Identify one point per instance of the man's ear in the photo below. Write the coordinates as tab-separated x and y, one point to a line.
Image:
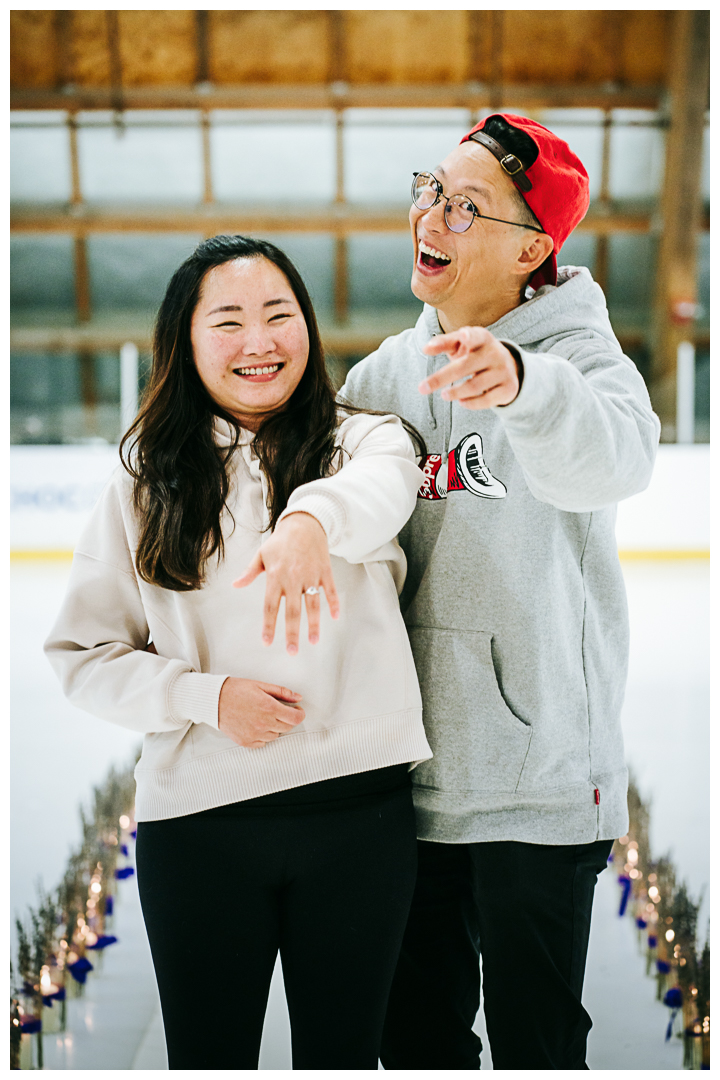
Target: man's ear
534	254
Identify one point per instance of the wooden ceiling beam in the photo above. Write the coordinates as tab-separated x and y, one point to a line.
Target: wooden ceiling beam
393	47
471	95
338	219
681	206
202	49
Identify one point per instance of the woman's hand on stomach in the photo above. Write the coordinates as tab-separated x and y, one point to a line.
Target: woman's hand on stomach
254	713
295	559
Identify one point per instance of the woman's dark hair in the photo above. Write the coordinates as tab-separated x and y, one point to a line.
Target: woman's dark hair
180	473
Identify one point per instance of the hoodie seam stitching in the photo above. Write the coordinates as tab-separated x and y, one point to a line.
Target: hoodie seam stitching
582	652
104	562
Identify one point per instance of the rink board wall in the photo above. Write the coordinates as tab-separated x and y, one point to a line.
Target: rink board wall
54	488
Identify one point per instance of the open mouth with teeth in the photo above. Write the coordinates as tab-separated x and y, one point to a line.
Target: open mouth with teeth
429	258
260	373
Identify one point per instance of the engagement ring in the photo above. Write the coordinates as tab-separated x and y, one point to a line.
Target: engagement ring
312	591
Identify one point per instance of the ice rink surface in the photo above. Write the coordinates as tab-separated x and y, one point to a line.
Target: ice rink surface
59	753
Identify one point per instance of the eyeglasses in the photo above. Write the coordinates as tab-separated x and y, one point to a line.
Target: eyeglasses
460	212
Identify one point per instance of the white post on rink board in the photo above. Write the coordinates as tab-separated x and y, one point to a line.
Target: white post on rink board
685	417
129	366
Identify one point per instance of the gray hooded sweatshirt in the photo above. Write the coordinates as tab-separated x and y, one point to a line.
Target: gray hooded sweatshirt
514	601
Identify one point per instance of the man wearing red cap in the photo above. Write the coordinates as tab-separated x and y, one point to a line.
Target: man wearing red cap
536	425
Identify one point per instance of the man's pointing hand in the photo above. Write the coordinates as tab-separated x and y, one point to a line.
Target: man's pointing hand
485	370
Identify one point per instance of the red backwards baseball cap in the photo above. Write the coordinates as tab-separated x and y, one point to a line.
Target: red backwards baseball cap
555	186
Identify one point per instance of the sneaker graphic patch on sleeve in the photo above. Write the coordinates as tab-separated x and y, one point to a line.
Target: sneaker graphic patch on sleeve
465	470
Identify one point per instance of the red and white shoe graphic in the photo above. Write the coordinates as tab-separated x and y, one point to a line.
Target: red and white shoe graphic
465	470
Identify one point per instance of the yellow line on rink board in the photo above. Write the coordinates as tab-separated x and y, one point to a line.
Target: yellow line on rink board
49	555
626	555
630	555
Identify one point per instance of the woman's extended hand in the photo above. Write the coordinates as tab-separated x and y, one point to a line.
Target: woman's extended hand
295	558
254	713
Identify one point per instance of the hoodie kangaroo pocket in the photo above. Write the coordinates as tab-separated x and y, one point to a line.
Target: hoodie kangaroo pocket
478	743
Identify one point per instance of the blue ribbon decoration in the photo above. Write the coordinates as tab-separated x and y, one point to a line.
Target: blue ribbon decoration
134	834
673	999
103	941
31	1026
59	995
79	970
108	905
640	923
663	968
126	872
626	884
124	849
652	941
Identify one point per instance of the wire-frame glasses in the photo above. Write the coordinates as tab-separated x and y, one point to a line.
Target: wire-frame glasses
460	211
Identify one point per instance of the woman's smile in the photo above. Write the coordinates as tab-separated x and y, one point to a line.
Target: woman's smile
259	373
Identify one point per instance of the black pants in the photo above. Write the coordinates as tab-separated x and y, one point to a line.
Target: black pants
328	884
526	908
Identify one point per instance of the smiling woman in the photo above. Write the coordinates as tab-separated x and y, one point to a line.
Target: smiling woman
286	767
234	306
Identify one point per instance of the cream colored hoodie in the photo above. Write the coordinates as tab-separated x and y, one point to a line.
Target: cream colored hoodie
359	688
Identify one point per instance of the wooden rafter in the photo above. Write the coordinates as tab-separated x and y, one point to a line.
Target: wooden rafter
82	279
202	48
572	48
462	95
681	205
339	219
478	60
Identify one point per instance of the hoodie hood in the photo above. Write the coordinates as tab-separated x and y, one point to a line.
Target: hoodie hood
575	303
225	436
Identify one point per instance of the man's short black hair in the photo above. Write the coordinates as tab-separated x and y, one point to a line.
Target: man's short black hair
522	146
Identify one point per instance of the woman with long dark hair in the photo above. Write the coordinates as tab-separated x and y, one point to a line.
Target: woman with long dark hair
273	795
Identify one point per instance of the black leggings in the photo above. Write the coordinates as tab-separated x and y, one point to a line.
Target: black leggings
327	883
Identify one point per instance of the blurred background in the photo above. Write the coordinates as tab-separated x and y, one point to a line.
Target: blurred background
137	133
134	134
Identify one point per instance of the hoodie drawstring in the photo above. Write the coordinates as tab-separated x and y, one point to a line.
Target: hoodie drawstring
446	406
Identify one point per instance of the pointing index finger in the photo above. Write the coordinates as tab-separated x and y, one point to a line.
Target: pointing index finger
463	348
441	343
455	371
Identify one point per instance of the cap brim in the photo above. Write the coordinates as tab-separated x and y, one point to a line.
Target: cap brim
546	275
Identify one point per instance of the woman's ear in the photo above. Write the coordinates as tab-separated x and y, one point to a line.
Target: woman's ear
534	254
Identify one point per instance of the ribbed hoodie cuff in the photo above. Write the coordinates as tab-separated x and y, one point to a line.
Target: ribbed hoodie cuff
325	508
530	398
194	695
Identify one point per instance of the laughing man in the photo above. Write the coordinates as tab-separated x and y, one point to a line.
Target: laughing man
536	425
